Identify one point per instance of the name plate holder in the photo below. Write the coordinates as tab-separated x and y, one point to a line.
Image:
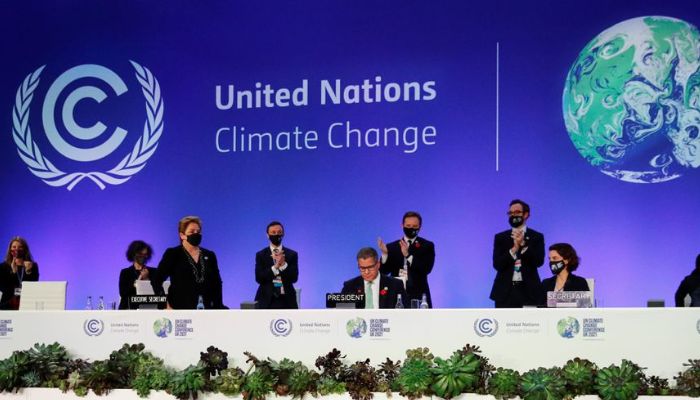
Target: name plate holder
149	302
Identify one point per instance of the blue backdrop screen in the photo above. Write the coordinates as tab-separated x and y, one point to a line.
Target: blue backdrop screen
336	118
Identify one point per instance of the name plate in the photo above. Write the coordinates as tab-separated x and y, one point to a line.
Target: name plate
340	300
139	300
577	299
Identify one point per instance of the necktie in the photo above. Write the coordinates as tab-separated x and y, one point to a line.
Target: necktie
369	301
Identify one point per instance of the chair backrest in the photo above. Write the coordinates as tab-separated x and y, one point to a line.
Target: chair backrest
298	297
144	288
166	286
43	296
687	300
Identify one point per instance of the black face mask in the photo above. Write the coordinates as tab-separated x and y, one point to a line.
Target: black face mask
556	266
410	232
276	240
141	260
194	239
515	220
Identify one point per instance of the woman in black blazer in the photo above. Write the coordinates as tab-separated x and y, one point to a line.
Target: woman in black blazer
138	253
18	267
193	270
563	261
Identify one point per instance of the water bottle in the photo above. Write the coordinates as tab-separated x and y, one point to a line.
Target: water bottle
101	304
200	303
399	302
424	302
88	305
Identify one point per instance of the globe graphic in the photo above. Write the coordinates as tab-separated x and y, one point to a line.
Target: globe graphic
631	102
568	327
162	327
356	328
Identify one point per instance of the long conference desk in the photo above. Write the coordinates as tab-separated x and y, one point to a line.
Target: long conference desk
661	339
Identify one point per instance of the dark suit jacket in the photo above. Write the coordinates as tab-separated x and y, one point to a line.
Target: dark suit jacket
184	291
423	252
127	277
267	295
393	287
690	285
574	283
504	264
9	281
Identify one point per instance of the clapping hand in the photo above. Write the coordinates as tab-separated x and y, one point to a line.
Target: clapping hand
404	247
382	246
144	274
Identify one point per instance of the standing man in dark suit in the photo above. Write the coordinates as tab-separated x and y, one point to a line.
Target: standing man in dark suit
380	291
517	253
276	271
410	259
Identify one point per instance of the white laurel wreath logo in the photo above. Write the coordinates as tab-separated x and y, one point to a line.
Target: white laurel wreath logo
131	164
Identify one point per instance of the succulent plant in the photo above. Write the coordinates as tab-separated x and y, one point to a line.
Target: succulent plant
504	384
49	364
618	383
361	380
124	362
331	365
420	353
257	385
485	367
282	370
302	381
415	377
657	386
100	377
542	384
31	379
12	369
388	372
455	375
188	382
230	381
579	375
688	381
151	374
327	385
214	360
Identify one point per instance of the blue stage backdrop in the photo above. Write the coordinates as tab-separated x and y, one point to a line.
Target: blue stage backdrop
119	118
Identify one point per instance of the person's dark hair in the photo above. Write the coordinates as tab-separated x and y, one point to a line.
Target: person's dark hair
273	223
526	207
567	252
410	214
367	252
136	247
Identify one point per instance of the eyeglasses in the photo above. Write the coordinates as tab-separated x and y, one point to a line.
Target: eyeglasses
366	269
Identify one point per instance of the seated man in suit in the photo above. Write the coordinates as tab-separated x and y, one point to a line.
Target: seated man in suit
381	291
276	270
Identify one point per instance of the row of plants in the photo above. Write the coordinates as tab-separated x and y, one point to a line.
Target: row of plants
419	374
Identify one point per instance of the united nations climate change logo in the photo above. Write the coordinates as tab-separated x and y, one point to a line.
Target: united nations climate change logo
93	327
568	327
632	100
281	327
485	326
162	327
82	136
356	328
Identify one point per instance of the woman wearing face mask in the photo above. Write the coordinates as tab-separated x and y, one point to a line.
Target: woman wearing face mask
193	270
563	261
18	267
138	253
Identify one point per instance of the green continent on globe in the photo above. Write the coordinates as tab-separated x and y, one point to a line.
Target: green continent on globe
631	102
